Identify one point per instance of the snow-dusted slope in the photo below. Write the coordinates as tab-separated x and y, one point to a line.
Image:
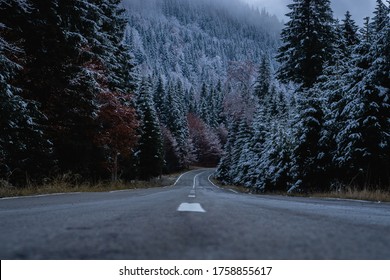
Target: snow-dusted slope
196	40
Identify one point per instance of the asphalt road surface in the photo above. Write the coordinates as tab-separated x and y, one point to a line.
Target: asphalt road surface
191	220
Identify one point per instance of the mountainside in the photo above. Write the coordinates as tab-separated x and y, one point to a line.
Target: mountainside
198	41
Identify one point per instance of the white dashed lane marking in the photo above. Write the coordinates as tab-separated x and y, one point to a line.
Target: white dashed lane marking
190	207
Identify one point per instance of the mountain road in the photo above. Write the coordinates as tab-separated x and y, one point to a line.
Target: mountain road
192	219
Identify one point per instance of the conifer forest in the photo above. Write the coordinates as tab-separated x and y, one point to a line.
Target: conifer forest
127	90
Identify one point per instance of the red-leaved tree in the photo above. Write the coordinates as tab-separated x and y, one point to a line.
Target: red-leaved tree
206	142
118	132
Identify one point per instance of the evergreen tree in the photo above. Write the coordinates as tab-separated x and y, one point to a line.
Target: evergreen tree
255	146
219	103
115	52
204	104
363	144
350	30
333	86
223	172
24	151
239	149
171	152
274	163
57	48
381	13
77	48
150	155
190	101
308	40
159	99
178	126
263	82
308	167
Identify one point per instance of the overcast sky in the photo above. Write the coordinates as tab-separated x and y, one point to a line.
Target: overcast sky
358	8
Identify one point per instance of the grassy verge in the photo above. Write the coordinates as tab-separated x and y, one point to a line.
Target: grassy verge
64	185
365	194
349	193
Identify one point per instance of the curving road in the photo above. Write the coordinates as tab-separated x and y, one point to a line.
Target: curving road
191	220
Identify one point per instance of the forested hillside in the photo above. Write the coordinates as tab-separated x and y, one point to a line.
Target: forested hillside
197	41
201	59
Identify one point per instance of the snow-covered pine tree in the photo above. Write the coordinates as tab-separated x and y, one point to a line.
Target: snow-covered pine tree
150	147
115	53
219	103
78	48
190	101
349	31
363	144
255	149
171	151
333	86
24	150
159	99
381	13
58	48
237	169
275	161
263	81
177	123
380	53
212	108
204	110
308	166
223	172
307	42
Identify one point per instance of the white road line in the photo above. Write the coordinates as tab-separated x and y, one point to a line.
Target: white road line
119	191
190	207
38	195
208	178
177	180
344	199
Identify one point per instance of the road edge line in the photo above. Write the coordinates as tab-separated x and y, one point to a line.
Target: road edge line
208	178
38	195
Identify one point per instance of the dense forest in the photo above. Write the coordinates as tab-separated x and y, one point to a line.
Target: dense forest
124	90
120	90
335	132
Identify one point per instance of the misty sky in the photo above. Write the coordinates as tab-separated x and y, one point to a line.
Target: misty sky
358	8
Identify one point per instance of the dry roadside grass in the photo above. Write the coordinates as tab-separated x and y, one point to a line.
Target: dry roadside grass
66	185
351	193
348	193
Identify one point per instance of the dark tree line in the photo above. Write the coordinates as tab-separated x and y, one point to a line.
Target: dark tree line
70	101
66	85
